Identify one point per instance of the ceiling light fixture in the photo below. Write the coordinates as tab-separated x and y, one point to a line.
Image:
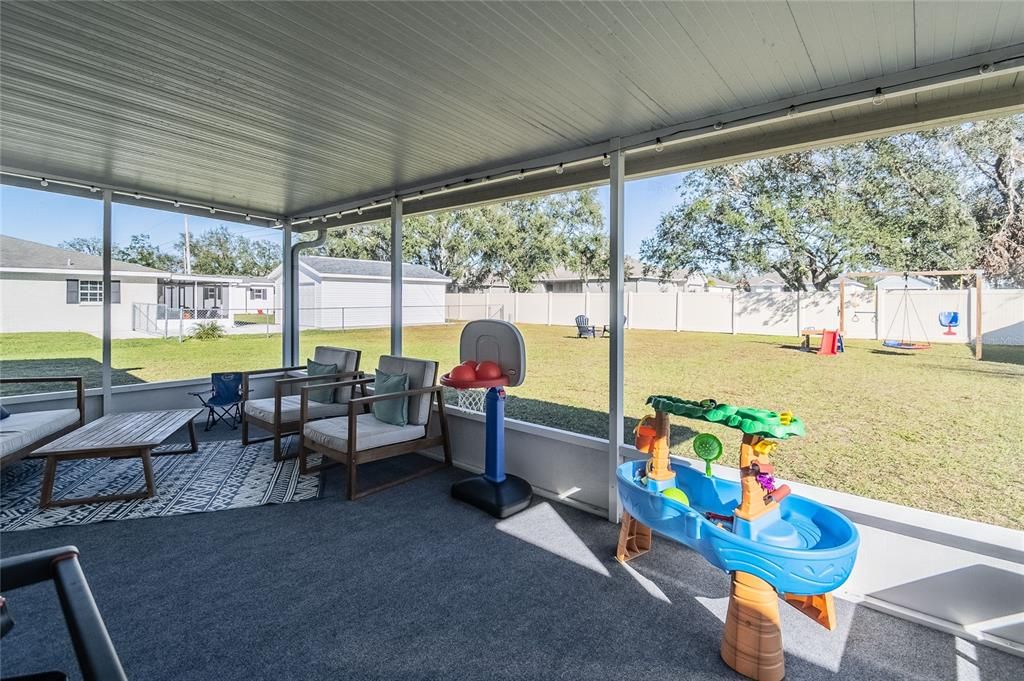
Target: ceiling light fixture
658	146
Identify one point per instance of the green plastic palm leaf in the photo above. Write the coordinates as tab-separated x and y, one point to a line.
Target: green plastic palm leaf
708	448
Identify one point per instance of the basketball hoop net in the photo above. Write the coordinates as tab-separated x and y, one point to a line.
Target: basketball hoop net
470	399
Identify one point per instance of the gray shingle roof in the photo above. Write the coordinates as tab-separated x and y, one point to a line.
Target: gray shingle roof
25	254
367	268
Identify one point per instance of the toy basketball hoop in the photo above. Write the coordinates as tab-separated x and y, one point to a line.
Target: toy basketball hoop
493	357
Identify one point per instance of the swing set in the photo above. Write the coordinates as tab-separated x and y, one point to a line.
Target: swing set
903	333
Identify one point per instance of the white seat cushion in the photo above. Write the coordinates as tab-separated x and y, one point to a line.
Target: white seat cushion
370	433
20	430
263	409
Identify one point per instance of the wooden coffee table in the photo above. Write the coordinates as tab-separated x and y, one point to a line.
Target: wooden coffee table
117	436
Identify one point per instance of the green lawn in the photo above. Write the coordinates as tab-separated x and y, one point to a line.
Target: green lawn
255	318
936	430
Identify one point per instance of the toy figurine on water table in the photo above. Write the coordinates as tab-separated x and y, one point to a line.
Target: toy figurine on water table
493	356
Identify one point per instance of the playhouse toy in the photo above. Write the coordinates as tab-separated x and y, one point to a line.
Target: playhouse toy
493	356
773	542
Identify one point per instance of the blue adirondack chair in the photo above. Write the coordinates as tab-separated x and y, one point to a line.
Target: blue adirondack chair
223	400
584	329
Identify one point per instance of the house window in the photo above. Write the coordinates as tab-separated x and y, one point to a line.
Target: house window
209	293
90	291
257	294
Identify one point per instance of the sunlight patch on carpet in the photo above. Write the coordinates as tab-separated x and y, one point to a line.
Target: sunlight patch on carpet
544	528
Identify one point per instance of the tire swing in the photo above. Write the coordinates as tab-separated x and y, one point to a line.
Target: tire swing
905	340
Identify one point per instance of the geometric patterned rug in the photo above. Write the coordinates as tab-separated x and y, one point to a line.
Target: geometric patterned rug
220	476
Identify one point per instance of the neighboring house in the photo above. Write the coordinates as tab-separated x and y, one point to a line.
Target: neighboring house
207	296
772	283
563	280
766	283
45	288
912	283
851	285
346	293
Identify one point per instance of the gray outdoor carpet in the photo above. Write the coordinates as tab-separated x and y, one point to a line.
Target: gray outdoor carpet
221	475
409	584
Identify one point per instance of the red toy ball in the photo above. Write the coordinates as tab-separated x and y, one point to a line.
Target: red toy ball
488	371
464	373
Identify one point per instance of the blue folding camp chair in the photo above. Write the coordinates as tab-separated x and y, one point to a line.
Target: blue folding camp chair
225	399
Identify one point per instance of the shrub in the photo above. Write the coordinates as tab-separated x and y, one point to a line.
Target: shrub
207	331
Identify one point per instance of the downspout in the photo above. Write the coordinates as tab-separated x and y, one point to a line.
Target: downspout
292	355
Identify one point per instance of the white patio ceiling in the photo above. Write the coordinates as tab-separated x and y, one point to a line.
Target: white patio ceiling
292	108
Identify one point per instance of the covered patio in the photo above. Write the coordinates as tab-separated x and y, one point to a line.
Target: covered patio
309	117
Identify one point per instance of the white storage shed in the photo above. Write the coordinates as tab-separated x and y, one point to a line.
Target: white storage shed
342	293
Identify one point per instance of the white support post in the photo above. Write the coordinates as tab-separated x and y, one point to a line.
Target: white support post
396	276
679	309
288	303
515	307
108	245
879	311
616	320
732	312
549	307
798	327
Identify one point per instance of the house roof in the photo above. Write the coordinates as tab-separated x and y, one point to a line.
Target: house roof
30	255
366	268
912	282
634	272
765	280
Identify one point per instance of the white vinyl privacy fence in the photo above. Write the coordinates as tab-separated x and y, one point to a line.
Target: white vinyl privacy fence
778	314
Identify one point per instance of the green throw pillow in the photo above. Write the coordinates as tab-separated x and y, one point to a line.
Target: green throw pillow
318	369
396	411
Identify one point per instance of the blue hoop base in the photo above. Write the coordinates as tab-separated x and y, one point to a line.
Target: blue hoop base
500	499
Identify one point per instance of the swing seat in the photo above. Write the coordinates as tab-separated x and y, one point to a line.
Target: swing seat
906	345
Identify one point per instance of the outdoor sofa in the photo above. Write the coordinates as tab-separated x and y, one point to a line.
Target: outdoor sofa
23	432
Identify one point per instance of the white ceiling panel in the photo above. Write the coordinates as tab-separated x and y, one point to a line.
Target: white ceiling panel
277	106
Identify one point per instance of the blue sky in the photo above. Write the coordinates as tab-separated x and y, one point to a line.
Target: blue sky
52	218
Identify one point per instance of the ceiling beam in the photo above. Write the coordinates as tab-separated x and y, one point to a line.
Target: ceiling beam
15	177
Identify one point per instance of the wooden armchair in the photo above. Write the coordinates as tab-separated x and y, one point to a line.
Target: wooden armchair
359	437
24	432
279	415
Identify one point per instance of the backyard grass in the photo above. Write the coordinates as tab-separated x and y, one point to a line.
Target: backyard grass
254	318
936	430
